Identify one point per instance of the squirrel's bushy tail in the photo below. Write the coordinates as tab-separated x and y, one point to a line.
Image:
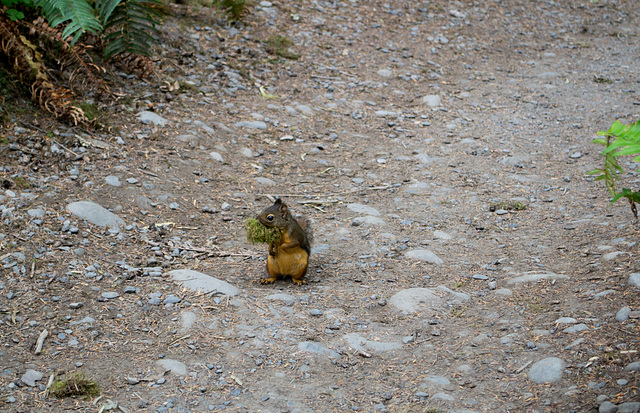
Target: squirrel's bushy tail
305	224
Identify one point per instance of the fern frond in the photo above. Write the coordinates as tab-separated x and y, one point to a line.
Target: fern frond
105	8
129	28
78	14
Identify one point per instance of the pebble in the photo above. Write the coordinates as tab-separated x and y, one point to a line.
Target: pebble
363	209
607	407
110	295
385	73
548	370
75	306
442	235
252	124
368	221
576	329
530	278
432	100
312	347
202	283
147	117
480	277
30	377
174	366
623	314
634	279
112	180
216	156
425	255
635	366
565	320
415	300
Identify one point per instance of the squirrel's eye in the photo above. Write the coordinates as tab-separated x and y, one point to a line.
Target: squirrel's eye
270	217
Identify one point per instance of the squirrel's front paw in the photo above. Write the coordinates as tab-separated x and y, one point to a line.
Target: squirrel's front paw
299	281
268	280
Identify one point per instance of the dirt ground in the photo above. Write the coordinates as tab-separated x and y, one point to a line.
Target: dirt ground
455	132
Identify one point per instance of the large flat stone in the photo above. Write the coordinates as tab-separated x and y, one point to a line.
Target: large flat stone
202	283
530	278
95	214
413	300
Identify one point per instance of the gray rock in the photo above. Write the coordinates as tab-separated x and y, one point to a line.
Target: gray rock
437	380
385	73
623	314
171	299
425	255
202	283
432	100
566	320
548	370
112	180
418	188
442	397
95	214
311	347
576	329
252	124
607	407
85	320
187	319
30	377
386	114
479	277
610	256
629	407
36	213
216	156
174	366
635	366
110	295
369	220
528	278
442	235
246	152
147	117
634	279
414	300
363	209
287	299
357	342
305	109
265	181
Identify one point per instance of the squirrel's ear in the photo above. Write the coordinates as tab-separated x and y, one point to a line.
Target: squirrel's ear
284	209
278	201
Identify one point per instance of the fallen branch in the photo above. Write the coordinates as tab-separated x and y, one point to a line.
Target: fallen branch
40	341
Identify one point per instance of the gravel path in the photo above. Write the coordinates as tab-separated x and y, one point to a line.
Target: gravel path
463	260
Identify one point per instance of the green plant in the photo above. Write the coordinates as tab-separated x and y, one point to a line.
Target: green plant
258	233
619	140
234	9
75	385
128	24
279	45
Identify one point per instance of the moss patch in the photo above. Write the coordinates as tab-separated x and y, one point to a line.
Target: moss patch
75	385
258	233
279	45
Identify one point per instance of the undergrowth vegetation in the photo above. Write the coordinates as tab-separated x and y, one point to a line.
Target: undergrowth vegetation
620	140
51	45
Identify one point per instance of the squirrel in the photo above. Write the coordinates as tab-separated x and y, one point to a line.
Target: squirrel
290	254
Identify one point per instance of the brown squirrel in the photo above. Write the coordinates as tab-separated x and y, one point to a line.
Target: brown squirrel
290	254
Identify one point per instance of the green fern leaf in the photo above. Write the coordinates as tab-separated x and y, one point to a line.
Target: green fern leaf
78	14
129	28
